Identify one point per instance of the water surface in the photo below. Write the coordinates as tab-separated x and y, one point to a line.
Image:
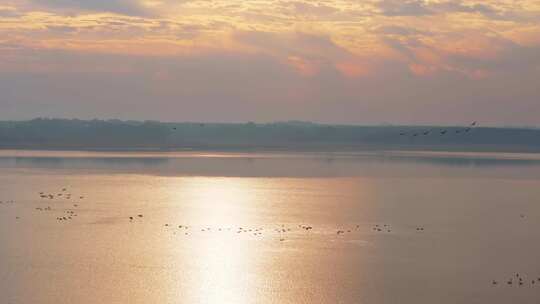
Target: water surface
269	227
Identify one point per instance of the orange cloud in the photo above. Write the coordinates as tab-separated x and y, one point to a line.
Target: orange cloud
302	34
302	66
352	69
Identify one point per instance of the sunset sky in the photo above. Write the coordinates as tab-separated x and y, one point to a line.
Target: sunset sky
335	61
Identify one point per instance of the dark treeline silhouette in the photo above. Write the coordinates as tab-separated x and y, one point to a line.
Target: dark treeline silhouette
126	135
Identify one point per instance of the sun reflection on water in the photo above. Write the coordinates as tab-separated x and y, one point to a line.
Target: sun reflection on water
222	263
223	201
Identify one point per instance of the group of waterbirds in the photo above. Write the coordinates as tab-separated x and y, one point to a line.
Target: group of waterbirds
441	132
68	213
281	230
131	218
253	231
519	280
59	194
383	228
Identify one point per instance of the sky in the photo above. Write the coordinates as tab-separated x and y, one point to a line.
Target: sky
335	61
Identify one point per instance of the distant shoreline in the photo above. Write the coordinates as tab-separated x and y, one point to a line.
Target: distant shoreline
149	136
349	149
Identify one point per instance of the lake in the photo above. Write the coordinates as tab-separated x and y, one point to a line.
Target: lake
269	227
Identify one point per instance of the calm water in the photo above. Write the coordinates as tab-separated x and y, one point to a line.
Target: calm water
247	238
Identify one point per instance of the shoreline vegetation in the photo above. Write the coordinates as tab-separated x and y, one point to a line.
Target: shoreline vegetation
145	136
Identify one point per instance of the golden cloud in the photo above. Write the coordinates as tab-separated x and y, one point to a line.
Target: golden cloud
351	36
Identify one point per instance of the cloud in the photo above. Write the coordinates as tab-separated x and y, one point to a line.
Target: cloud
304	52
305	8
403	46
404	8
127	7
458	6
510	58
400	31
8	11
423	8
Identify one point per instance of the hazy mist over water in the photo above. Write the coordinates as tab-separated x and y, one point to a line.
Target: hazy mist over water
270	164
231	227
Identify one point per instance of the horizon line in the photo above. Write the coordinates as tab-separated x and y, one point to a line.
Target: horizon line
291	121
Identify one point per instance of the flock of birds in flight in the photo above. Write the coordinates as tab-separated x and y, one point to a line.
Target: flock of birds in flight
440	132
418	133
